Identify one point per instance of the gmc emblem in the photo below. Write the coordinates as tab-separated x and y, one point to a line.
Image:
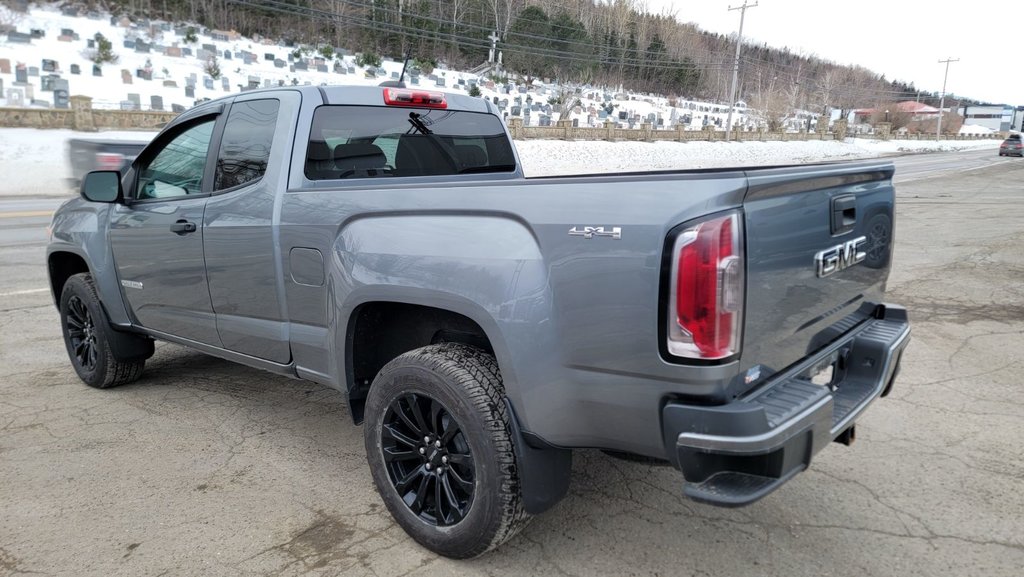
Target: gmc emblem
839	257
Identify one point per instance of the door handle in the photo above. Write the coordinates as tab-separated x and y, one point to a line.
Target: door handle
183	227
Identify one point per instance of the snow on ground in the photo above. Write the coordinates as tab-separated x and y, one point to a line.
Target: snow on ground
34	162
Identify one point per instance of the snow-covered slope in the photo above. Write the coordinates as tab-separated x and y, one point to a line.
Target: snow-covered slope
109	91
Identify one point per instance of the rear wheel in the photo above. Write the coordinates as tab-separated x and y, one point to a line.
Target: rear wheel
87	337
439	445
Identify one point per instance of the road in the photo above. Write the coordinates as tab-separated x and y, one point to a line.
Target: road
208	468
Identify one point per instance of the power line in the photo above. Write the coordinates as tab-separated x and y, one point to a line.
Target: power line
418	33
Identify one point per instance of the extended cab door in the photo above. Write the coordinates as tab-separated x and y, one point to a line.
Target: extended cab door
157	237
243	259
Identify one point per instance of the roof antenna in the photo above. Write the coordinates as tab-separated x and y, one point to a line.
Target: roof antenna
405	65
400	82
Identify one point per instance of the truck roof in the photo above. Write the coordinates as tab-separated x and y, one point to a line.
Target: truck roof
363	96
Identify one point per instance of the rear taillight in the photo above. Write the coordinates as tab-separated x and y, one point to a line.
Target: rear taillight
109	161
419	98
706	290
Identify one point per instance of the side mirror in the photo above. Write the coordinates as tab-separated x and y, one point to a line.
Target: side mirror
102	186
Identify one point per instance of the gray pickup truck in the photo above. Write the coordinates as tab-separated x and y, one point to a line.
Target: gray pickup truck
384	241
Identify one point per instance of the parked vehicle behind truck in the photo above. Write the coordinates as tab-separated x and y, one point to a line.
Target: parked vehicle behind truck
88	154
384	242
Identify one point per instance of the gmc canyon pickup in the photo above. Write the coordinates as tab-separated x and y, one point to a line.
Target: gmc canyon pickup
384	241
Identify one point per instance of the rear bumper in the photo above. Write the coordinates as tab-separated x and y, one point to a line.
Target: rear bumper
734	454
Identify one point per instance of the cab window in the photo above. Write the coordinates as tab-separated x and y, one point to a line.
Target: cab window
177	170
245	146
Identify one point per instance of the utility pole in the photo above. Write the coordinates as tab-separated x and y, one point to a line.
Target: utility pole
942	100
736	66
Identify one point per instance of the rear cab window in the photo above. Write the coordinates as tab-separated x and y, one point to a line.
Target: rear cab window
387	141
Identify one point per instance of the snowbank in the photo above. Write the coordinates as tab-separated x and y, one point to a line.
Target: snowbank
975	129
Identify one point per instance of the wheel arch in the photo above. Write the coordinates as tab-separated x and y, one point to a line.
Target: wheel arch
379	330
61	265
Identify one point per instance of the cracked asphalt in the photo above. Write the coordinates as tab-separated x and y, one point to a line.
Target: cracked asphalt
208	468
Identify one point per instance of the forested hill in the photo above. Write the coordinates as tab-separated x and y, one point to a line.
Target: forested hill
608	42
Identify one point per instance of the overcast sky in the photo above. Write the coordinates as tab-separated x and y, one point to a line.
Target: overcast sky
902	39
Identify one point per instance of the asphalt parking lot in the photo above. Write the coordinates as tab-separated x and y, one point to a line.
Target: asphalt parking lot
208	468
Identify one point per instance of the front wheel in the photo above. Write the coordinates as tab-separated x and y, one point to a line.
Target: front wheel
439	445
87	337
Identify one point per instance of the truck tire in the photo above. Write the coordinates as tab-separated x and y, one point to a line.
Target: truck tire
439	445
87	336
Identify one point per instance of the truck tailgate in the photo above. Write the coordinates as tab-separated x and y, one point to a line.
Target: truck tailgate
818	242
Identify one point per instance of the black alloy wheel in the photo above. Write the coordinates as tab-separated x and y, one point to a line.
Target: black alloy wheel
82	333
439	442
428	459
90	341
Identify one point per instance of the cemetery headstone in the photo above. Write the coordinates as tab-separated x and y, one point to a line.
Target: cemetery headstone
177	108
440	83
415	80
173	51
126	76
37	33
76	69
207	83
15	97
129	44
41	103
190	92
136	100
322	68
21	74
60	99
210	47
517	110
186	52
142	47
97	70
33	71
46	83
301	65
5	65
394	75
225	83
269	56
280	63
170	84
227	55
19	37
351	69
156	102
